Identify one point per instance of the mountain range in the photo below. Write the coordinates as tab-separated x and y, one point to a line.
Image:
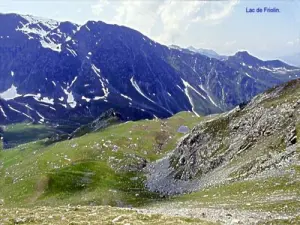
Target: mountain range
65	73
293	59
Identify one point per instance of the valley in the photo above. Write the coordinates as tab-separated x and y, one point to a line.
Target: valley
99	124
106	164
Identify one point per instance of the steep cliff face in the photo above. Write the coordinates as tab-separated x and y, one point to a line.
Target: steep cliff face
260	138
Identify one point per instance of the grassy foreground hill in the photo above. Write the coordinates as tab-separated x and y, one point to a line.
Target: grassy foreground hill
100	168
96	215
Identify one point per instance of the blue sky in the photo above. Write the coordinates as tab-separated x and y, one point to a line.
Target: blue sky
223	26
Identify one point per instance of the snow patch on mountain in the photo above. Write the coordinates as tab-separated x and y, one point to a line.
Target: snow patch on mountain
86	99
10	93
138	89
13	109
179	88
32	31
104	89
38	97
125	96
73	81
186	84
186	91
47	106
96	70
42	119
248	75
51	45
47	100
70	99
281	70
40	27
51	24
72	52
28	107
208	95
265	68
96	98
40	115
3	113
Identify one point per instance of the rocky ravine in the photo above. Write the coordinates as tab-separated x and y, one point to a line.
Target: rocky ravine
258	140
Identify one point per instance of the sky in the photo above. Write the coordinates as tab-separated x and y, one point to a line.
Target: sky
223	26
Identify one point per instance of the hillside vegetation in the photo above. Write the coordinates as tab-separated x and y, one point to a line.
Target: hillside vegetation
98	168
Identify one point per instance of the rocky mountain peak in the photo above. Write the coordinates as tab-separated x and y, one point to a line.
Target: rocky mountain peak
246	57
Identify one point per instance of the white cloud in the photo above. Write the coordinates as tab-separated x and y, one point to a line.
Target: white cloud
163	20
295	42
216	11
230	43
98	8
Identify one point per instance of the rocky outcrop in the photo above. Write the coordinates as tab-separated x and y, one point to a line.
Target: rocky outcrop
247	141
106	119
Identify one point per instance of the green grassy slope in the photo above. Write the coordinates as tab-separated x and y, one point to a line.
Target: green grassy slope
17	134
97	168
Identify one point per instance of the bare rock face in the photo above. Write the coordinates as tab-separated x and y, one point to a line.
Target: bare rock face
260	137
